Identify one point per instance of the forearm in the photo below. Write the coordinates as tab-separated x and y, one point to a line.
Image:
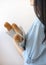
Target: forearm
19	49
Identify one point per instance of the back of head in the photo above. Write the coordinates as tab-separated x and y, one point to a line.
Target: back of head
40	10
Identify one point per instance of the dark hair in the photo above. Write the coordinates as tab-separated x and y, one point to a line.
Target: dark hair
40	10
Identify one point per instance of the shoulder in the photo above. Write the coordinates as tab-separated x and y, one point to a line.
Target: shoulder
37	26
36	23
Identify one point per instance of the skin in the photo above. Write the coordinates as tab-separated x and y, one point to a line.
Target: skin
20	49
32	2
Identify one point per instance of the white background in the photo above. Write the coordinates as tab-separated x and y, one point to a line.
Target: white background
20	12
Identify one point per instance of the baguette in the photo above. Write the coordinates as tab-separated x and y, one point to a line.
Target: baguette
7	26
17	29
18	38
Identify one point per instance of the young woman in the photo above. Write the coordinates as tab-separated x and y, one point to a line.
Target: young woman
34	50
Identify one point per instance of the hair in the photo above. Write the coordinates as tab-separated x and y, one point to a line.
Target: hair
40	10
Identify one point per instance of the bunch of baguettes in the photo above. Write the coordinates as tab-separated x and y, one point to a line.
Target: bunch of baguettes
17	32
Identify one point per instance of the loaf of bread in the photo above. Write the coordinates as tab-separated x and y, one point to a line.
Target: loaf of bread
7	26
17	29
18	38
16	33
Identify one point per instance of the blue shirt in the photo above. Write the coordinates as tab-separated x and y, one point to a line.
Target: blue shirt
35	53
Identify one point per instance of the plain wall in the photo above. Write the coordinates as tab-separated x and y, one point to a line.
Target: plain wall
18	11
14	11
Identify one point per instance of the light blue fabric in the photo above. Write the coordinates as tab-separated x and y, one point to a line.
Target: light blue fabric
35	53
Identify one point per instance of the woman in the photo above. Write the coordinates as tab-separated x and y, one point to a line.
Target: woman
34	50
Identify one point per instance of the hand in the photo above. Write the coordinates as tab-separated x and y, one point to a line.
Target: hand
18	39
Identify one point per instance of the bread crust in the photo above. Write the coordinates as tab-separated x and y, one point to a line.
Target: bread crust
7	26
16	28
18	38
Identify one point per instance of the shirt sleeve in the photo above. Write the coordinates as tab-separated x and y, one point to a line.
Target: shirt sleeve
24	54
